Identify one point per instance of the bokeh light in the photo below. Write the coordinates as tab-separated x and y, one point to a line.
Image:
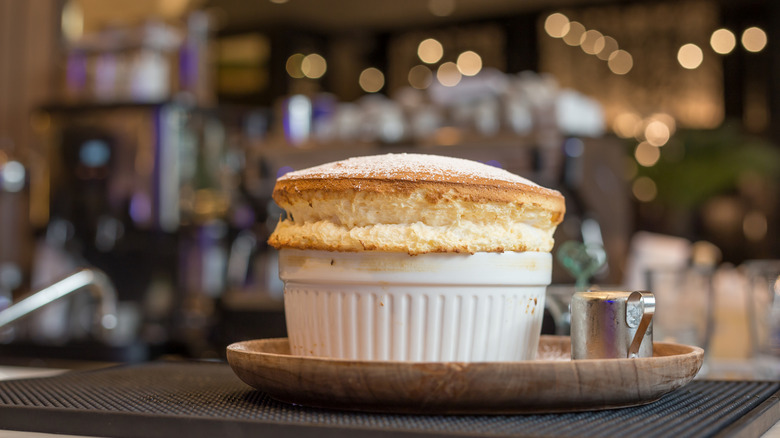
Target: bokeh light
430	51
620	62
592	42
574	35
690	56
644	189
610	46
448	74
314	66
657	133
420	77
723	41
72	21
294	65
625	124
667	120
12	176
556	25
371	80
754	39
646	154
469	63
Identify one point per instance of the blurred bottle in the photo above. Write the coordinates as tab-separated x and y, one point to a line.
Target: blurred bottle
15	230
194	62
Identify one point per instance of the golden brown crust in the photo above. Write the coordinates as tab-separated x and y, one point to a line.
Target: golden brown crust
415	204
477	190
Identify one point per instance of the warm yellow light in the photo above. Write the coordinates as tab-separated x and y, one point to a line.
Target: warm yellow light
430	51
754	39
690	56
371	80
754	226
667	120
646	154
644	189
469	63
610	46
625	124
448	74
420	77
294	65
72	21
723	41
657	133
592	42
620	62
556	25
574	35
314	66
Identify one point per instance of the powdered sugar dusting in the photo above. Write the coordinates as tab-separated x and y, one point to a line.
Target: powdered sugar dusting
417	167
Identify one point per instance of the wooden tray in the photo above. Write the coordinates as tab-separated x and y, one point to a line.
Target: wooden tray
543	385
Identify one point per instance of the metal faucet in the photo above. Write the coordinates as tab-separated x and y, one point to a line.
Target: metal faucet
91	279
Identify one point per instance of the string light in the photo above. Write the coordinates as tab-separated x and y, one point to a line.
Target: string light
754	39
620	62
592	42
469	63
723	41
657	133
430	51
420	77
610	46
314	66
371	80
294	65
646	154
556	25
574	35
448	74
625	124
690	56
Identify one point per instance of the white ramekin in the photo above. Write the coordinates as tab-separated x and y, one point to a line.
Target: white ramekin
424	308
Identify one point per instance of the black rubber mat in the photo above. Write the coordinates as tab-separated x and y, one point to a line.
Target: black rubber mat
171	399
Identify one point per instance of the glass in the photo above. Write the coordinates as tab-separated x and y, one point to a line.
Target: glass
763	292
684	298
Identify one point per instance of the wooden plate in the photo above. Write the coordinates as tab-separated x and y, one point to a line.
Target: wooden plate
543	385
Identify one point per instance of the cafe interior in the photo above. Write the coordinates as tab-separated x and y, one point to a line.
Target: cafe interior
140	141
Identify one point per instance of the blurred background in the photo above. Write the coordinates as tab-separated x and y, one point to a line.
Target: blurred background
143	138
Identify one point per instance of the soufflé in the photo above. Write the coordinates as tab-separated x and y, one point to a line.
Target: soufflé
414	257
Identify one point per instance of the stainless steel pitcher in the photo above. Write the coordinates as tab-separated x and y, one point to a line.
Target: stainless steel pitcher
612	324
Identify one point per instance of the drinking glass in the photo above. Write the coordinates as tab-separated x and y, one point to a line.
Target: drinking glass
684	311
762	279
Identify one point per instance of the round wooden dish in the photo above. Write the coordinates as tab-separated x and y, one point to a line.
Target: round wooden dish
536	386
